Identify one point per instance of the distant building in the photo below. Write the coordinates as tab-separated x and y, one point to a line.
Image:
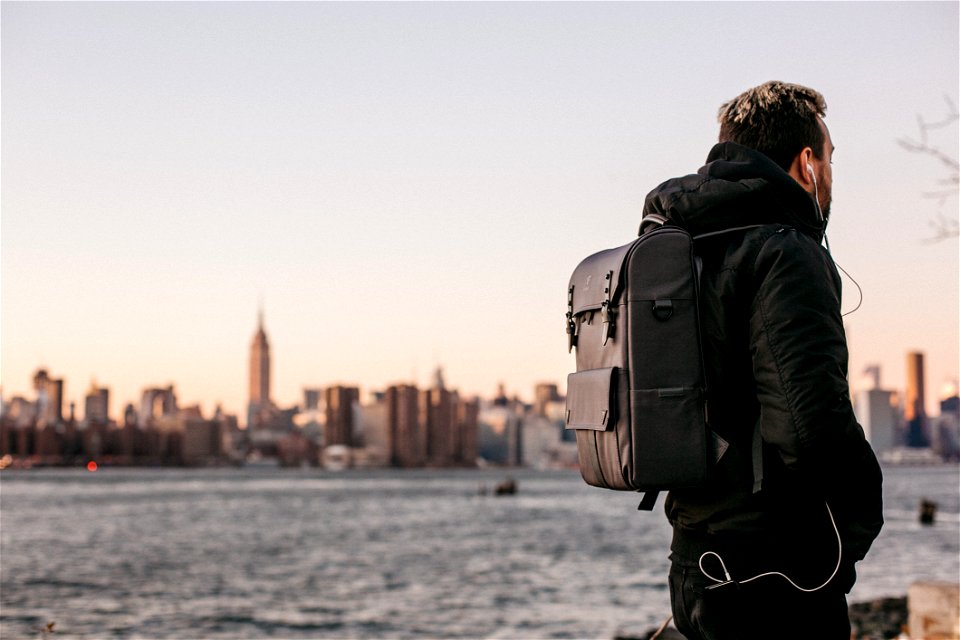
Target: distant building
408	441
133	440
202	441
546	443
158	406
431	427
260	407
871	376
437	413
373	431
914	411
262	413
21	412
96	405
450	424
501	399
130	416
467	424
544	394
311	399
339	428
295	449
49	398
540	439
310	422
878	412
947	435
500	435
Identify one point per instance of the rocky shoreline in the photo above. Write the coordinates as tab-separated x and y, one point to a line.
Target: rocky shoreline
878	619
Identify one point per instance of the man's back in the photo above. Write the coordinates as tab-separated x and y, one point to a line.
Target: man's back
775	355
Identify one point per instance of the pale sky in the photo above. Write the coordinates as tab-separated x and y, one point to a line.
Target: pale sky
411	184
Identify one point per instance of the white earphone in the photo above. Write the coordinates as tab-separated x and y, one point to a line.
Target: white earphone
816	203
816	193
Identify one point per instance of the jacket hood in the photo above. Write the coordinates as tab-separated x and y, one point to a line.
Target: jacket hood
738	186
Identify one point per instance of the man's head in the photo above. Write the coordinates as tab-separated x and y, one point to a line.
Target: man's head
784	122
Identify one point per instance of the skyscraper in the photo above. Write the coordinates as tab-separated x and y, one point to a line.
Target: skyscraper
259	404
437	413
408	442
339	401
914	411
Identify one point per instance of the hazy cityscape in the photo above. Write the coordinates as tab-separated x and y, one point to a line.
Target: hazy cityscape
333	427
341	426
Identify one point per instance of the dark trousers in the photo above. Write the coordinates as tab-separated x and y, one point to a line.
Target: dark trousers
768	608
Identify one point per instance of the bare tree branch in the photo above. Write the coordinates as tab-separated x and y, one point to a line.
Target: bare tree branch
940	155
944	227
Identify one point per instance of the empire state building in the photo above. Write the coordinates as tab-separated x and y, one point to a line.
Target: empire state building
258	411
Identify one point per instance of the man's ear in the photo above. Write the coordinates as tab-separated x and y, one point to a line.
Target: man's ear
799	170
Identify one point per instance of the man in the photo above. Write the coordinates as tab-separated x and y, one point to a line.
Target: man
799	502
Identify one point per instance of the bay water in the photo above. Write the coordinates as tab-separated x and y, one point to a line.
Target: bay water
223	553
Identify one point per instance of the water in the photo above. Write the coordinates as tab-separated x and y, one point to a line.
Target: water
244	554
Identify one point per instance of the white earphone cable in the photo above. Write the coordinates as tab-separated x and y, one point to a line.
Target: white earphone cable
826	240
728	578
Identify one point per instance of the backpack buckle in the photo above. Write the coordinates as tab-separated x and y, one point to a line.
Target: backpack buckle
607	313
662	309
571	325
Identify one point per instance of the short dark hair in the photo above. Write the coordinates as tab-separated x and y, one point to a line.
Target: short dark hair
778	119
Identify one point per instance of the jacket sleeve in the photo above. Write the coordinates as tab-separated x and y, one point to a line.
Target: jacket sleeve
799	355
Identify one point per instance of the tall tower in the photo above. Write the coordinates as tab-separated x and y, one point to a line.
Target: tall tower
914	411
259	373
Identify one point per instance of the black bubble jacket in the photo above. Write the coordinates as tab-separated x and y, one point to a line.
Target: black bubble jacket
774	351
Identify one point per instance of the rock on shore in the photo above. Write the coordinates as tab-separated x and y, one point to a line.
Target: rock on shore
878	619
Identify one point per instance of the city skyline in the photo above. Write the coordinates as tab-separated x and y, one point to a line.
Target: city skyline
399	426
913	394
405	185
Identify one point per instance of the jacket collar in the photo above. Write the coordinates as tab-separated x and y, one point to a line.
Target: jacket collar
737	186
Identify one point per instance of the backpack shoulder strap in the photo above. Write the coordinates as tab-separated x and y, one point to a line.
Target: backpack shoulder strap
649	499
651	221
729	230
